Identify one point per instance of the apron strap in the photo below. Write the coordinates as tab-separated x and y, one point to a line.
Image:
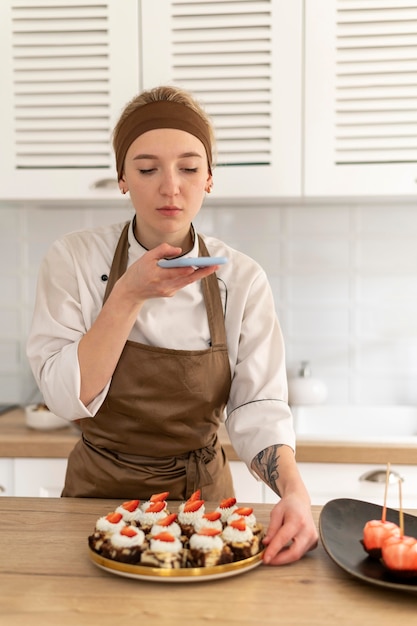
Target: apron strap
119	261
211	292
213	303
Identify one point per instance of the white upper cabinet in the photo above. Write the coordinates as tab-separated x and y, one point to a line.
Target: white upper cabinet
66	70
242	60
360	97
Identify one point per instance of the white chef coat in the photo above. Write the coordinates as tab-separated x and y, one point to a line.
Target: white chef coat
70	290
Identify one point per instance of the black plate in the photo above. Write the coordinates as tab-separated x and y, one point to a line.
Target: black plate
341	529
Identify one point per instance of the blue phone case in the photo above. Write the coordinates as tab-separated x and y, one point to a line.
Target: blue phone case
201	261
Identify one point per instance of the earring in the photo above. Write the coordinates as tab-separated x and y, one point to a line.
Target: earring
123	191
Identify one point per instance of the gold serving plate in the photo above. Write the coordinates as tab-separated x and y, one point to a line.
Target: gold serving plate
186	574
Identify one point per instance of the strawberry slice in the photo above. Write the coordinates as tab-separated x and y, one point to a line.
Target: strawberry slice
159	497
244	511
168	520
114	517
155	507
239	524
194	505
213	516
227	503
164	537
128	531
195	496
131	506
209	532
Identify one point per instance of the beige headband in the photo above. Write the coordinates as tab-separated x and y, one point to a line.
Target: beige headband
160	114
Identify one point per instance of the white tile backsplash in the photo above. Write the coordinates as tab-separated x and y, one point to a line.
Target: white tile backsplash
344	278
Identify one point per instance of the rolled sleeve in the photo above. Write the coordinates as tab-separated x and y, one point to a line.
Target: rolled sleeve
258	425
60	385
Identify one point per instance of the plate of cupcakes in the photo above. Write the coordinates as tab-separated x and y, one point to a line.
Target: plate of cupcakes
149	541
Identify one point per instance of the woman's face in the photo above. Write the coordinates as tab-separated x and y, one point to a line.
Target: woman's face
166	174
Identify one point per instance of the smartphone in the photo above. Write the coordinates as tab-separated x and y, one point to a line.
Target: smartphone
201	261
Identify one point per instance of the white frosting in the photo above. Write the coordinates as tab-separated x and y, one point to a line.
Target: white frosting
233	535
189	518
148	503
226	513
149	519
172	529
128	516
249	519
202	522
166	546
206	543
105	526
124	541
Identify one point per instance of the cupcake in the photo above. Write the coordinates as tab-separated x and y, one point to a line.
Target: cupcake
226	508
104	528
187	518
167	524
126	545
164	551
207	548
209	520
247	513
194	496
129	510
155	512
156	497
240	539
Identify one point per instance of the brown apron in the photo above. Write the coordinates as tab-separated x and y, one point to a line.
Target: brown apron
157	428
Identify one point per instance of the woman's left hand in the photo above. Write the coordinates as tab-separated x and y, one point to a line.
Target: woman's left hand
291	531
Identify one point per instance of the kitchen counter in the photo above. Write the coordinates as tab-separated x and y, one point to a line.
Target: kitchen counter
17	440
47	578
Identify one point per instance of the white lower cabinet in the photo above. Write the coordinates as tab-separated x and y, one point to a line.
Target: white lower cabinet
39	477
328	481
6	477
324	481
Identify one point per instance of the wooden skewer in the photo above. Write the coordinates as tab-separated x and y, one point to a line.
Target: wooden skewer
384	509
401	509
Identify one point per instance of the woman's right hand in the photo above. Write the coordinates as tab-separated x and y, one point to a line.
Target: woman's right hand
144	279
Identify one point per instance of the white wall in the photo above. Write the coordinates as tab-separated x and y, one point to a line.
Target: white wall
344	278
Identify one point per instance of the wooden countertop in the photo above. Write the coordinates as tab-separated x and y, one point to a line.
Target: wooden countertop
47	578
17	440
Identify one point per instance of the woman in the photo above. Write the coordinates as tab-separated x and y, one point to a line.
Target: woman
146	358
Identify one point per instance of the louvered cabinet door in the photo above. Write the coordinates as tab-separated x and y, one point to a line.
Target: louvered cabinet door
242	60
361	97
67	67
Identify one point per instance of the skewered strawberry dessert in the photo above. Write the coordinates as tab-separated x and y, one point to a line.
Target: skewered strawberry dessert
375	533
399	555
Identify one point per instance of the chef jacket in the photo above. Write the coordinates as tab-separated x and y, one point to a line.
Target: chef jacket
70	290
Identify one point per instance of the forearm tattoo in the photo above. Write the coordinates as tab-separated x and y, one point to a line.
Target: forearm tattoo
265	464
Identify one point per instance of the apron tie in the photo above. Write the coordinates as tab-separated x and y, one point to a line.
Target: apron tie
197	472
194	463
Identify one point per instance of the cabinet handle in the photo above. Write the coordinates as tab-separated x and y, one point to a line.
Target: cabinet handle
380	476
106	183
